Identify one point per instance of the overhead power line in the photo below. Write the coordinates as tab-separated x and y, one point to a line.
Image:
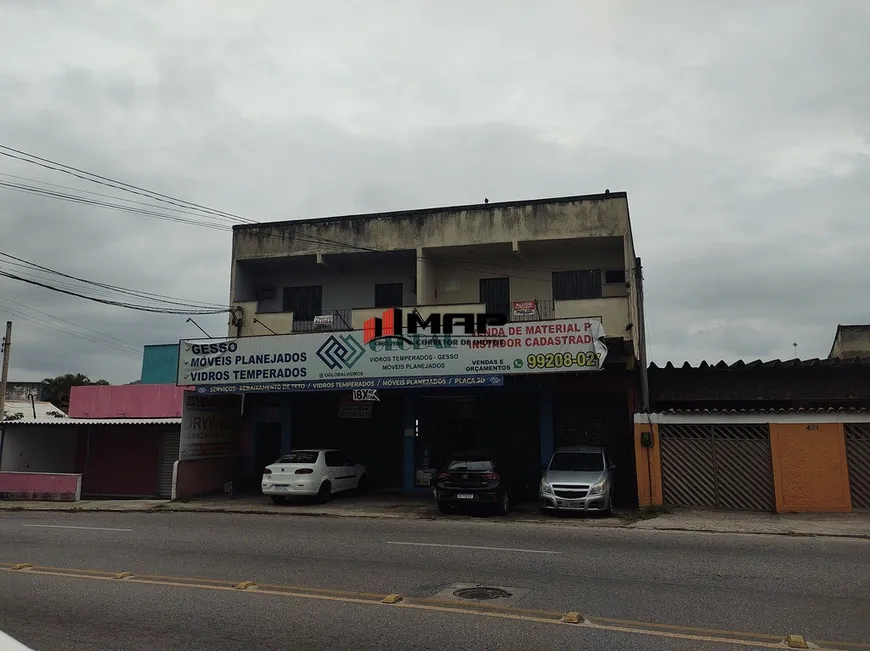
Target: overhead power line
105	340
148	301
57	318
163	298
129	306
225	219
114	183
71	198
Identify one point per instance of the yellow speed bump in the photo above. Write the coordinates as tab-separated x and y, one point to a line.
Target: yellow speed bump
123	575
796	642
391	599
572	618
22	566
244	585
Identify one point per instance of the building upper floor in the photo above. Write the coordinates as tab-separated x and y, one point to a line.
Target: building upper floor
851	341
533	261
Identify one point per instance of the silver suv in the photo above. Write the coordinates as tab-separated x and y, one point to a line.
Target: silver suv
578	478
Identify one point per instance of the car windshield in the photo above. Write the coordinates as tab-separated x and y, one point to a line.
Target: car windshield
577	461
470	465
302	456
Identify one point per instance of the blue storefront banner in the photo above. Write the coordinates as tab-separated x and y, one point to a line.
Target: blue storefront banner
447	381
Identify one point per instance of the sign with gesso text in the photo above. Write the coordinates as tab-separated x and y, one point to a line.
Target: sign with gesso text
340	360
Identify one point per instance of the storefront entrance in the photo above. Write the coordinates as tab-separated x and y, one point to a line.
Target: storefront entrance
600	419
506	425
369	432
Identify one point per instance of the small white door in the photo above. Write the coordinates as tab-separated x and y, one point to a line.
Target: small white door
334	468
168	456
348	472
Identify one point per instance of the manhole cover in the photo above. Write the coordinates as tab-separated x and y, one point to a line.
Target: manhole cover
482	593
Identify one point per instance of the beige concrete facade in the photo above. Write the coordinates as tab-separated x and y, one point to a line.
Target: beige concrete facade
440	256
851	341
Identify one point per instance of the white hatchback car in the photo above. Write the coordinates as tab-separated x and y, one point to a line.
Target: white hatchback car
313	473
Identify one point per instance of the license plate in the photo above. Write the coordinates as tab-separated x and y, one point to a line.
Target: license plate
465	496
568	505
281	488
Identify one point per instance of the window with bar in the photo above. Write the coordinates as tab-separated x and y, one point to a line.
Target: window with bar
572	285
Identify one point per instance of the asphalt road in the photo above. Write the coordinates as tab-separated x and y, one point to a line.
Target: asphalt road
629	584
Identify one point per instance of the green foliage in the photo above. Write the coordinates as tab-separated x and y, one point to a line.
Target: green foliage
56	390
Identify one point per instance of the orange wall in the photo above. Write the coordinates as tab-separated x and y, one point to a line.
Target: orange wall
809	468
648	464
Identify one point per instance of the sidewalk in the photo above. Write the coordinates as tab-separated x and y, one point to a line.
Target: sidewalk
414	507
849	525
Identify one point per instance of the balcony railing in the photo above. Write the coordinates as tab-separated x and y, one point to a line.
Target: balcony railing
613	311
525	311
325	321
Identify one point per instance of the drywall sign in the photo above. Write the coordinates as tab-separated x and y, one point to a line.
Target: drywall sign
210	426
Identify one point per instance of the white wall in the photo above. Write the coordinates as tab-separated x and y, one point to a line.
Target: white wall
531	277
39	449
345	286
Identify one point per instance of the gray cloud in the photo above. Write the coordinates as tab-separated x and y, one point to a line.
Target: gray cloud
739	132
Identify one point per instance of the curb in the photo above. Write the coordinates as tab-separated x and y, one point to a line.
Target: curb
286	512
790	534
423	516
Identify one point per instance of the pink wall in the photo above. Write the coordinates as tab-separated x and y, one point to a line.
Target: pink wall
40	486
202	476
127	401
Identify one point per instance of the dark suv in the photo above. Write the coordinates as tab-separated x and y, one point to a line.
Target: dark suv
474	478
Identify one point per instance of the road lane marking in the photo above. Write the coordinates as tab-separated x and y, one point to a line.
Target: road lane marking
495	549
65	526
742	638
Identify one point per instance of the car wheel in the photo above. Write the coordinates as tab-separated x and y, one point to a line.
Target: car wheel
363	484
324	493
278	499
443	507
504	505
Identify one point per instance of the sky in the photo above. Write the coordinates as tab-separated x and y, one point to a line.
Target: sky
740	130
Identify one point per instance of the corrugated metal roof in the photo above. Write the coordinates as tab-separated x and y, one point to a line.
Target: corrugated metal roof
759	412
25	407
101	422
774	363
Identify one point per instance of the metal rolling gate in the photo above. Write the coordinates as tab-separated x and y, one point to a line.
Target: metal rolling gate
721	466
858	457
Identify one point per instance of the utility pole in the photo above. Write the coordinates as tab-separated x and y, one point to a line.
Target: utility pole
4	375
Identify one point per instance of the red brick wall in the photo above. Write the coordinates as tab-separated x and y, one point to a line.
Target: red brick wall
202	476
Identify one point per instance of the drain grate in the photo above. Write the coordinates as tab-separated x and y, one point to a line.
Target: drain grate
481	593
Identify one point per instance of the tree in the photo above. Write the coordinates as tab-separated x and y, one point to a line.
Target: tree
56	390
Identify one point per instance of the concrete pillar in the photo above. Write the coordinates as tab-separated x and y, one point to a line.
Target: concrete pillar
426	281
249	441
545	424
287	423
409	441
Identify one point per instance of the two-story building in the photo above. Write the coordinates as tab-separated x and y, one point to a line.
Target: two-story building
556	269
